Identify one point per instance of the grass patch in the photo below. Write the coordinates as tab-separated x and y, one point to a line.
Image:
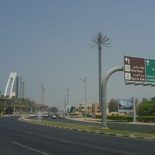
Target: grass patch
92	128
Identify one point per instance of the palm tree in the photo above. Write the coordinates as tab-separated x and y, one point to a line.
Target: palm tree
100	41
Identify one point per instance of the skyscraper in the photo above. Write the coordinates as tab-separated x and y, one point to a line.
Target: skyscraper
19	87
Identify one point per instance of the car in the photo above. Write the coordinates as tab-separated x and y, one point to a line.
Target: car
45	115
33	115
61	116
53	116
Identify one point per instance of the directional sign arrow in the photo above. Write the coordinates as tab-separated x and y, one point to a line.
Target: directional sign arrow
147	62
127	60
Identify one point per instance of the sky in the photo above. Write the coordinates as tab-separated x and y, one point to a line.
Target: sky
49	42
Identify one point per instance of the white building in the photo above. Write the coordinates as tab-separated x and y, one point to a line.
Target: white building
14	86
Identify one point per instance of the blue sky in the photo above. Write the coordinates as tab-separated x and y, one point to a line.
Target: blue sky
49	41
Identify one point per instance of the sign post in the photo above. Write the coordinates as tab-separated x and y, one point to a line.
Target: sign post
134	110
39	116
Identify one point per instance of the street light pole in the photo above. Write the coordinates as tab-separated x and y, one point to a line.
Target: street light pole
65	105
100	41
20	96
84	80
67	99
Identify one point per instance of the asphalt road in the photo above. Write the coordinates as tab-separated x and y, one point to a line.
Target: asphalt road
21	138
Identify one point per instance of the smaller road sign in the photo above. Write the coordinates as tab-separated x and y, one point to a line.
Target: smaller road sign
39	115
134	69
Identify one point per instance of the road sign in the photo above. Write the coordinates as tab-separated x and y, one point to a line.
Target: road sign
39	115
150	70
139	69
134	69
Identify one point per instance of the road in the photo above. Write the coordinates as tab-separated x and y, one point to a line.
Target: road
21	138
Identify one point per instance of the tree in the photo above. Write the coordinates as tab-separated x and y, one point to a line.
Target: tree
113	105
1	108
100	41
54	109
144	99
9	110
72	109
146	107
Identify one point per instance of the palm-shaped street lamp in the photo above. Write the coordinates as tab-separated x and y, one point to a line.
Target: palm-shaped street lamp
100	41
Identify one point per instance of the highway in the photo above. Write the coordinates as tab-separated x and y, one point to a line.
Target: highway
22	138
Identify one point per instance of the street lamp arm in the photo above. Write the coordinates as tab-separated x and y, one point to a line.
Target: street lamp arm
103	100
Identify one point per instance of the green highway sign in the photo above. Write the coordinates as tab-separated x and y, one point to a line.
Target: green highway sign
150	70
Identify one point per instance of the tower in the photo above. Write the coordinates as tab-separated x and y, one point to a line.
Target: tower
10	85
15	86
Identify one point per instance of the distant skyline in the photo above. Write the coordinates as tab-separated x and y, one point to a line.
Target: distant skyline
48	42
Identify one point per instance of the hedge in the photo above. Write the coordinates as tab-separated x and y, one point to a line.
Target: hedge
120	118
130	118
146	119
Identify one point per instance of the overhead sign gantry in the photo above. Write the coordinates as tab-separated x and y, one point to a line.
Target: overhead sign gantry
136	71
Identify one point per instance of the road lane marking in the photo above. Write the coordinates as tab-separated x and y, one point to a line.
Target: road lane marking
29	148
65	141
78	143
11	128
29	133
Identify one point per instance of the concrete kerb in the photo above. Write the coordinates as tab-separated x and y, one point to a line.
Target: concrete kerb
81	119
96	132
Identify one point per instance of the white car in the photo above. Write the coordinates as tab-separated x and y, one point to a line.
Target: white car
53	116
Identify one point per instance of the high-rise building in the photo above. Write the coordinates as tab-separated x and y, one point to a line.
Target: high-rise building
22	89
15	86
19	87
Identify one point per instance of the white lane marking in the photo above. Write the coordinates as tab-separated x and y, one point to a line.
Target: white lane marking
11	128
29	148
29	133
65	141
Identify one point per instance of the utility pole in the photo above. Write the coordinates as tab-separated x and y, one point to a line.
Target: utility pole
68	108
42	96
65	105
84	80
